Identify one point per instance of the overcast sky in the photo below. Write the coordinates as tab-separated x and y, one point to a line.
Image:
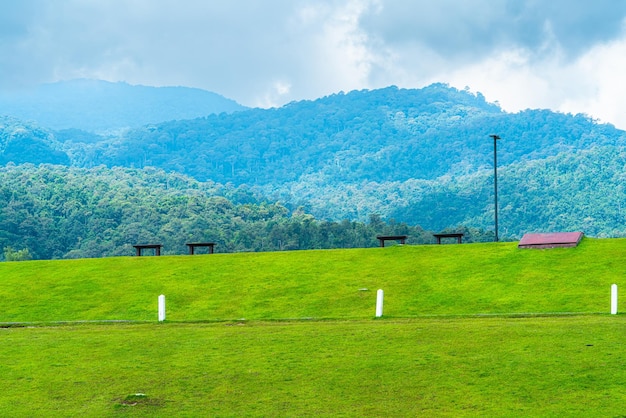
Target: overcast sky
566	55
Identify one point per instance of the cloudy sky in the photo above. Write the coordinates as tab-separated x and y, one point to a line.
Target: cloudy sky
566	55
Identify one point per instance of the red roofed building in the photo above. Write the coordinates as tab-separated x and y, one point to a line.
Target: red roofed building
550	240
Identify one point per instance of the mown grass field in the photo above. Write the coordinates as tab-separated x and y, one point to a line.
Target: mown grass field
326	284
468	330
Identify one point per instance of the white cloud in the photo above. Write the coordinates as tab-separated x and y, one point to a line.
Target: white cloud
602	71
567	55
507	77
343	60
324	52
275	95
591	84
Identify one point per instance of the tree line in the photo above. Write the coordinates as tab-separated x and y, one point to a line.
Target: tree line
51	212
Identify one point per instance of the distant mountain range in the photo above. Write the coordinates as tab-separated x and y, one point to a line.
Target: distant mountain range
100	106
421	156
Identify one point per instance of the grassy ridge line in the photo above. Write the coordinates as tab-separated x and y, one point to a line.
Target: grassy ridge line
468	279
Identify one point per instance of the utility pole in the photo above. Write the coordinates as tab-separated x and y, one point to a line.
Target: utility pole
495	181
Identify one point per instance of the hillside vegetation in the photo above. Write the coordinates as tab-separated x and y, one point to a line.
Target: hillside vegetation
467	279
421	157
61	212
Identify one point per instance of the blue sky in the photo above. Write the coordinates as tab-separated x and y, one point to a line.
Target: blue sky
566	55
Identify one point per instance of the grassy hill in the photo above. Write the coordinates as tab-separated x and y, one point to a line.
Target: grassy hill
432	353
423	280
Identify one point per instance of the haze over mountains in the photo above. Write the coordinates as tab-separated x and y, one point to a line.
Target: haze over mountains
420	156
100	106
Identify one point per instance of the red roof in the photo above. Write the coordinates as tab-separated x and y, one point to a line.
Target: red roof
550	240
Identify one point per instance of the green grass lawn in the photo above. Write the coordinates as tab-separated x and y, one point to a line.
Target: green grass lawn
418	281
468	330
566	366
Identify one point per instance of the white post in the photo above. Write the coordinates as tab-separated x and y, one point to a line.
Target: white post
379	303
613	299
161	308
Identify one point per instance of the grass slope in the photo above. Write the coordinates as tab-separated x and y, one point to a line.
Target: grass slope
430	355
418	280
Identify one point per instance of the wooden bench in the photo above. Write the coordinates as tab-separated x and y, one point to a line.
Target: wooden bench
193	245
141	247
458	237
382	238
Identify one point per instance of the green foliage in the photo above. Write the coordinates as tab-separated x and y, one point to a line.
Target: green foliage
421	157
16	255
382	135
374	135
62	212
581	191
24	143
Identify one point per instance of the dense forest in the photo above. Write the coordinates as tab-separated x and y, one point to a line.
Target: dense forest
416	158
382	135
50	211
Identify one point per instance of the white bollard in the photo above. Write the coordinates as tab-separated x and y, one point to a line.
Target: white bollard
613	299
379	303
161	308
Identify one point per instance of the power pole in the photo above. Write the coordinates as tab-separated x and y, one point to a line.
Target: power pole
495	181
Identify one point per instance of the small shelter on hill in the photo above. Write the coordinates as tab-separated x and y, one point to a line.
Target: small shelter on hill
550	240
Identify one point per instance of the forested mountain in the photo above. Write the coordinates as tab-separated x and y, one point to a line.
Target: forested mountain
382	135
51	211
572	191
421	157
25	143
100	106
388	134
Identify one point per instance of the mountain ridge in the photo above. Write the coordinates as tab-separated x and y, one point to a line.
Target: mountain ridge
420	156
101	106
